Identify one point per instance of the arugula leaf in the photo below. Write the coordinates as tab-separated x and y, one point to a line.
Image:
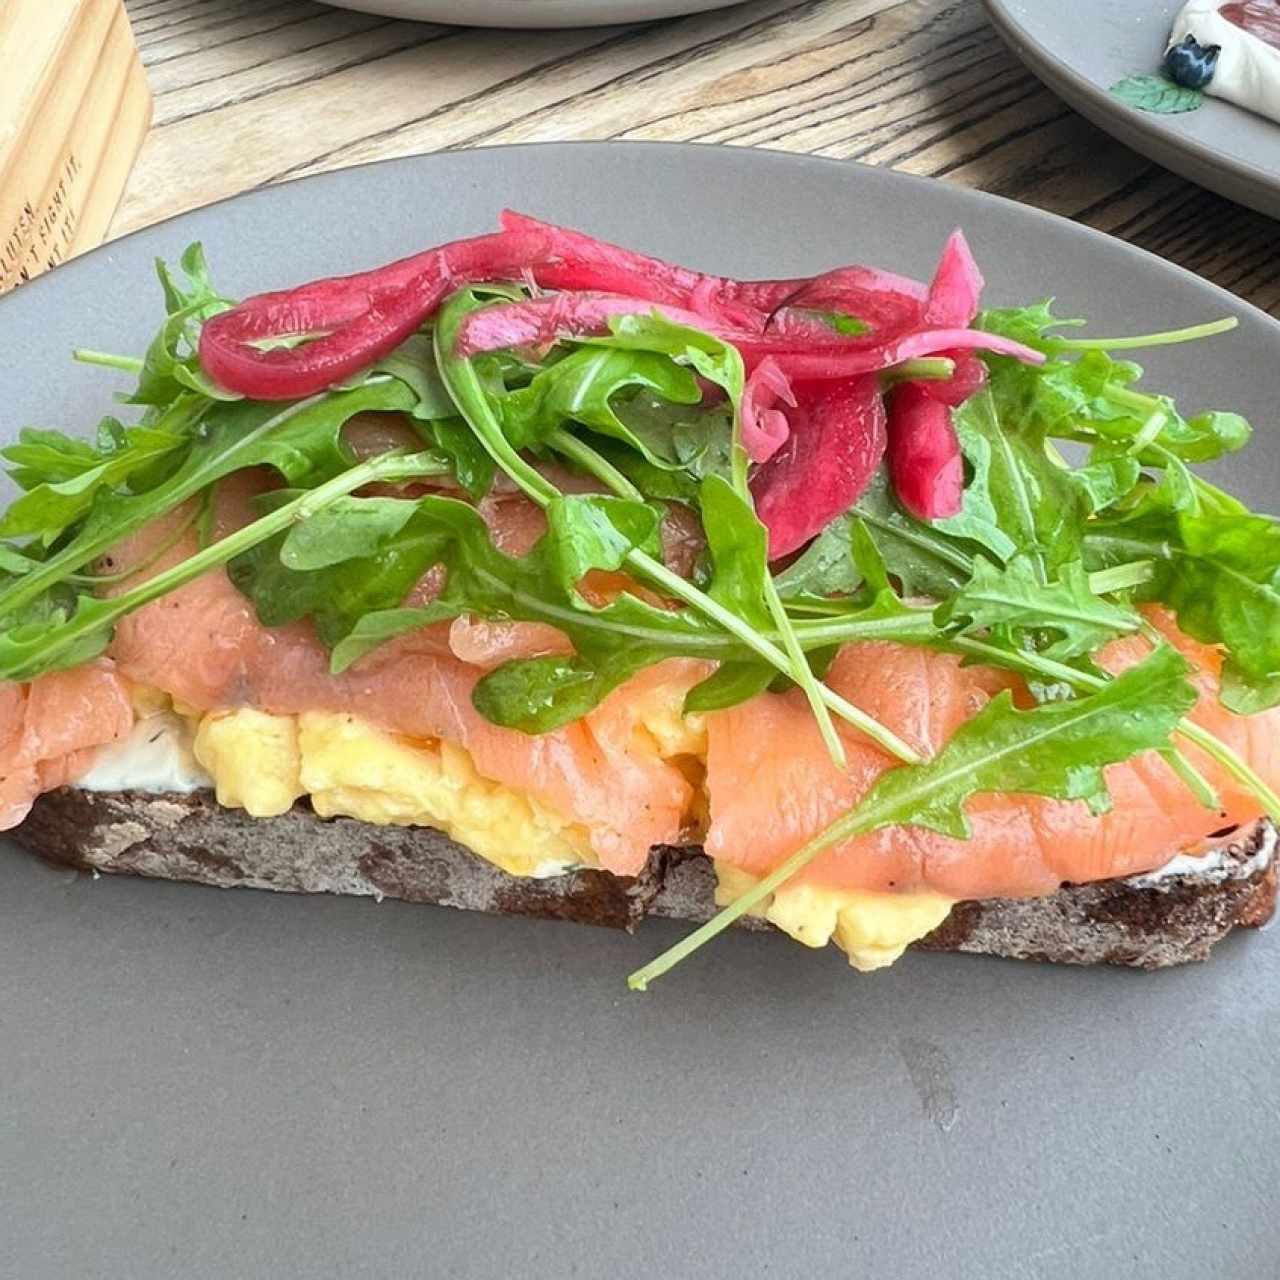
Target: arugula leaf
924	559
472	465
1032	499
1027	325
738	548
1105	480
1246	696
1090	398
172	363
1057	749
730	684
593	386
50	506
657	483
825	568
347	529
14	563
718	362
979	518
1209	435
413	362
535	695
198	288
44	456
1121	414
302	441
588	531
1220	573
1014	596
45	633
843	558
363	563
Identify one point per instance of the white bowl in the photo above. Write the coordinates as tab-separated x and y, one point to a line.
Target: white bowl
532	13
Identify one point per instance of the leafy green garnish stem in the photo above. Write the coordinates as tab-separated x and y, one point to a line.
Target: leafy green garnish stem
858	822
167	543
1147	433
816	690
1121	577
130	364
1165	339
1199	786
944	551
1234	764
165	496
94	615
1036	665
583	455
1128	398
921	369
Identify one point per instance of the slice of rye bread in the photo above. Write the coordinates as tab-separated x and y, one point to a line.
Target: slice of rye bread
1166	918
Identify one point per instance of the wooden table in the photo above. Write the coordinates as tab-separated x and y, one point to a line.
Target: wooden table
250	92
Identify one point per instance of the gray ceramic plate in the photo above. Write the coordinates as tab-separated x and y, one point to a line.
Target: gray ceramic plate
533	13
214	1084
1080	49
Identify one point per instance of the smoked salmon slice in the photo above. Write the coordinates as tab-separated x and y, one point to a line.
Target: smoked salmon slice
50	727
772	784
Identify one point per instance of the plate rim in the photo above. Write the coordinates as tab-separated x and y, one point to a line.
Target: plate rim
860	171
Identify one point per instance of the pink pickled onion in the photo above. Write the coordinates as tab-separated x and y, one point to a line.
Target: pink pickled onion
835	445
837	362
956	288
764	428
360	318
538	322
856	292
580	263
925	463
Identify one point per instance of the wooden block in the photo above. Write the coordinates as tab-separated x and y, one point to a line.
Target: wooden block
71	121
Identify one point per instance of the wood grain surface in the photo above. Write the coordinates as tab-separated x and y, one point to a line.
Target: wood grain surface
249	92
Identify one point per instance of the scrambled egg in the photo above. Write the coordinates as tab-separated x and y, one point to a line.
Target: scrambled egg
872	929
263	763
253	759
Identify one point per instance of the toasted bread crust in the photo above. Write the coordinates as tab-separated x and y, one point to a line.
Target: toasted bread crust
1146	922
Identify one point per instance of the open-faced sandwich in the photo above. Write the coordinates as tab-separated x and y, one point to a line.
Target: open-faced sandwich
533	574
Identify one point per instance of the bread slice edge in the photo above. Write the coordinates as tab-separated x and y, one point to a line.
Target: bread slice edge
1165	918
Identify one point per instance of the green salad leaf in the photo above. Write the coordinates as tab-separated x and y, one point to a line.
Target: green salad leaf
629	395
1015	596
1220	573
302	441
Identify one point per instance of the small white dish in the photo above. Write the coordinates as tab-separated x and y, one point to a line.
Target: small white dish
533	13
